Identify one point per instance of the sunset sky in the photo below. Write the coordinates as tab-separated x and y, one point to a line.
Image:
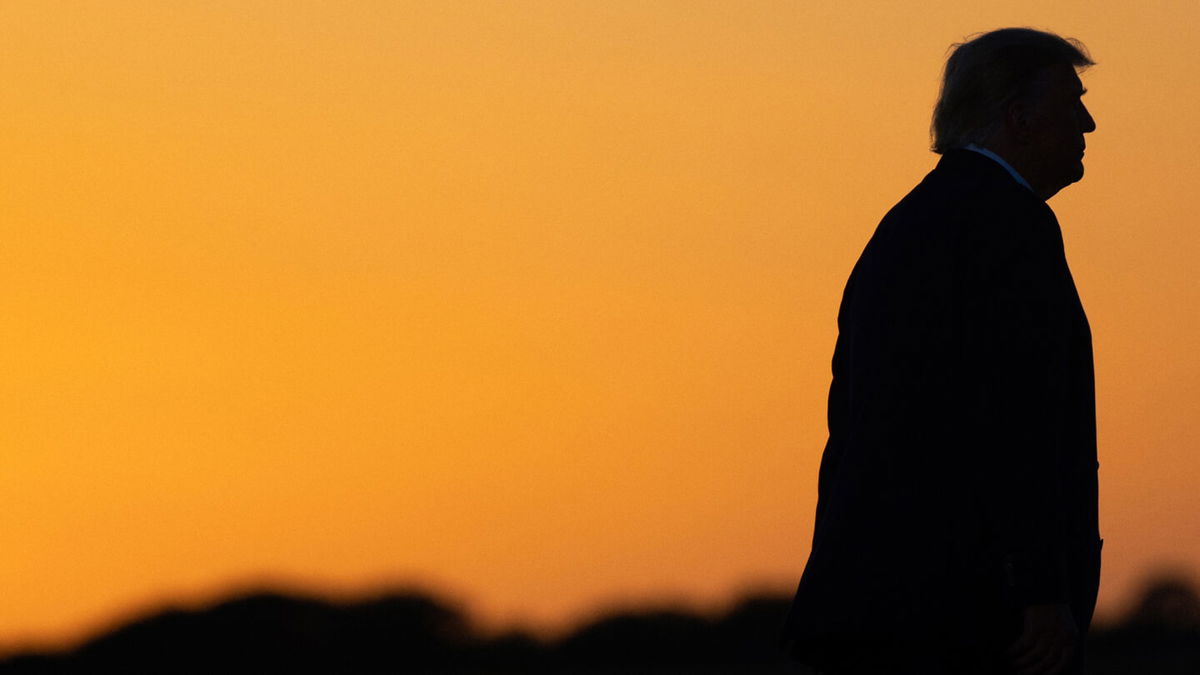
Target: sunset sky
532	303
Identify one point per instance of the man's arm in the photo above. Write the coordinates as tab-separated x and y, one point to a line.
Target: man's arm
1016	385
1015	388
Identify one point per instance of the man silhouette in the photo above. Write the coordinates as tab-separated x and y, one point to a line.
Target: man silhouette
956	527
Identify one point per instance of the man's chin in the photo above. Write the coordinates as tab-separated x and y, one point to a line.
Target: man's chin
1077	174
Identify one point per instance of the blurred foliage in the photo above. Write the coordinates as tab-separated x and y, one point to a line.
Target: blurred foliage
409	631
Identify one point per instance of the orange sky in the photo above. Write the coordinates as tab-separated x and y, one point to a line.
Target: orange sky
531	301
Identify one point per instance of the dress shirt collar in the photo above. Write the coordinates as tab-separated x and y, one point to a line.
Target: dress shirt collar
1000	160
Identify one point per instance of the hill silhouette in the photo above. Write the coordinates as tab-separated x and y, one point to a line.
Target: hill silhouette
413	631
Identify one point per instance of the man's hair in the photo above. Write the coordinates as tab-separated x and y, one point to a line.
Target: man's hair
989	71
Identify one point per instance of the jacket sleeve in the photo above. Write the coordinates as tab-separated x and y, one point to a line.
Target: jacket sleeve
1013	384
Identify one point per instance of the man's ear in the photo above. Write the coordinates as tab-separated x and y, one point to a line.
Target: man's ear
1017	118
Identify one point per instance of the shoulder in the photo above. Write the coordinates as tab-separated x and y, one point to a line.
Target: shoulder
969	206
968	184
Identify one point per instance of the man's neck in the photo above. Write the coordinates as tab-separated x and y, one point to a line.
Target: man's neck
1002	162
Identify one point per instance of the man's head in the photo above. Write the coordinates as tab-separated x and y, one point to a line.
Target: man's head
1015	91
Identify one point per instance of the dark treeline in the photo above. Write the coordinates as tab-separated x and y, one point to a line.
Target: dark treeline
414	632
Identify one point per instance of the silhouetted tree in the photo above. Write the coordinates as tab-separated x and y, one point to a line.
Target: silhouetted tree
1169	605
271	632
1160	636
650	638
749	632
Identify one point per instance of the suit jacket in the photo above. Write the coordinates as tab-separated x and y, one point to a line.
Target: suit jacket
959	480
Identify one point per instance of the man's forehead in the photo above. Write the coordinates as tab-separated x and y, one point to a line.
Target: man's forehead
1059	77
1074	84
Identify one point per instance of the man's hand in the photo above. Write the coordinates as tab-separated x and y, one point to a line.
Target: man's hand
1047	640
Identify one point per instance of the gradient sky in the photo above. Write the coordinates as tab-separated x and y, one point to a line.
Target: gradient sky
530	301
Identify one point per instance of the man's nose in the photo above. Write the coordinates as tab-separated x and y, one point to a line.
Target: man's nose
1086	121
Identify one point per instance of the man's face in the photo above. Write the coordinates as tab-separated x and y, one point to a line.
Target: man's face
1057	122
